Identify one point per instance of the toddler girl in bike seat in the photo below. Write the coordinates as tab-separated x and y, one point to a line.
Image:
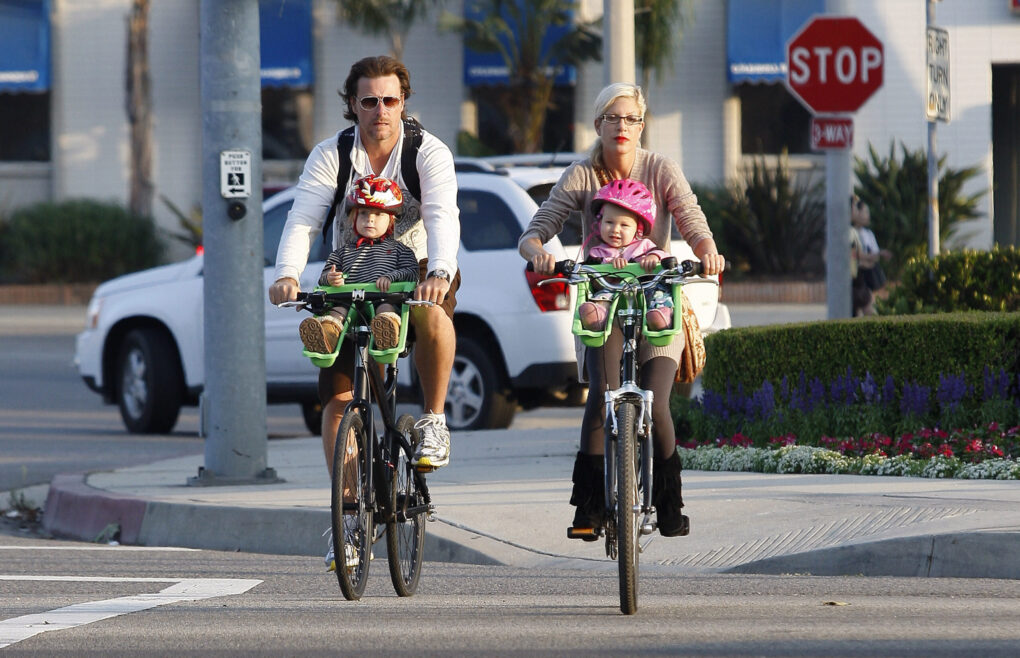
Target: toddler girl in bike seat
625	211
372	255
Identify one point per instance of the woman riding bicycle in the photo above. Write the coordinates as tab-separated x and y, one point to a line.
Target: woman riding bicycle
616	155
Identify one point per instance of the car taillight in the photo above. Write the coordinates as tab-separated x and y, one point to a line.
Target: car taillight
551	296
199	250
720	286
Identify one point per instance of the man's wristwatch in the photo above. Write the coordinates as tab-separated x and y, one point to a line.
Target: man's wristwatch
440	274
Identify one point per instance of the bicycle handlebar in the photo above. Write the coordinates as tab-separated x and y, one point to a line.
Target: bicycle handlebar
577	272
318	300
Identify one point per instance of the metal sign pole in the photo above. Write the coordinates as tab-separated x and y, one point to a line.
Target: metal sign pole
837	233
234	400
933	158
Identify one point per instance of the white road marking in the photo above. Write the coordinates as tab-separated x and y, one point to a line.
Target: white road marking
184	589
100	547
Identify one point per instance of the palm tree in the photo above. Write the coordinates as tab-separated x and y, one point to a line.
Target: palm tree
516	30
658	28
390	18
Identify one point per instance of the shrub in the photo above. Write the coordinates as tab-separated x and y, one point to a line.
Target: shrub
896	190
770	224
958	281
916	348
79	241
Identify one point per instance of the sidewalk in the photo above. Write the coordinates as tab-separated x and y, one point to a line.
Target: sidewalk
503	500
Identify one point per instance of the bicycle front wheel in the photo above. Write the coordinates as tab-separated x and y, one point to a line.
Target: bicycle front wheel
405	529
352	518
627	526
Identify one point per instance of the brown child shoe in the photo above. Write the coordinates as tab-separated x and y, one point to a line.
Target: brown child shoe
386	330
319	335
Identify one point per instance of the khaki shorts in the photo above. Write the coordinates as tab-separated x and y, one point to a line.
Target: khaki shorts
339	377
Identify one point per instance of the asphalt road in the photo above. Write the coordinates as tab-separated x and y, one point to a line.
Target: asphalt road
277	605
51	423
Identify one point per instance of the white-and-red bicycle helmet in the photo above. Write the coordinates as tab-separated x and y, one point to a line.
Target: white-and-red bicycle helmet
630	195
376	193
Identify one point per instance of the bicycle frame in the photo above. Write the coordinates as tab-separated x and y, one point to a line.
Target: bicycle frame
629	307
370	384
628	423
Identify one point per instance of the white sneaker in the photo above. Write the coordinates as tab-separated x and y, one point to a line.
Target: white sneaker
330	561
433	450
350	552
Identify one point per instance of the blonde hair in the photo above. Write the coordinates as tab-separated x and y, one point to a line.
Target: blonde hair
607	97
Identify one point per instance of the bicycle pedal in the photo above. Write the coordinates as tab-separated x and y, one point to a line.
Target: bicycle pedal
421	468
585	534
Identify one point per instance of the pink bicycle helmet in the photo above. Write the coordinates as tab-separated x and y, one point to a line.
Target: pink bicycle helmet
630	195
376	193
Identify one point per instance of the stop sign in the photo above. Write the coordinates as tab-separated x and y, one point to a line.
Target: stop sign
834	64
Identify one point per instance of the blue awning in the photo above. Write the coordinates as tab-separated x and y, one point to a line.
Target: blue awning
490	69
285	33
24	45
756	36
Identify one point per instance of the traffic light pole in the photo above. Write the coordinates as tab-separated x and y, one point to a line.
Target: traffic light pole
233	404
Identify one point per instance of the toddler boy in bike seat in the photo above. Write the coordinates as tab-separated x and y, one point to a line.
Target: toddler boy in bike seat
373	255
625	211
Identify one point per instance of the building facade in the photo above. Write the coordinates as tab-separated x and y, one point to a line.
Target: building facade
710	112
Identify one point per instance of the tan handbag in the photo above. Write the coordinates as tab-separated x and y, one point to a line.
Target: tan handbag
692	361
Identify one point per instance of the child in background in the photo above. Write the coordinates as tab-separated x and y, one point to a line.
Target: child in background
372	256
626	211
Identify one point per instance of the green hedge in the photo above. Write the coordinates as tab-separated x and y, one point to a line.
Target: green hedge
78	241
965	280
914	348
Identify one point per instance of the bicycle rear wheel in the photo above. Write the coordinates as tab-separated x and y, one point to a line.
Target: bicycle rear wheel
627	527
352	518
405	529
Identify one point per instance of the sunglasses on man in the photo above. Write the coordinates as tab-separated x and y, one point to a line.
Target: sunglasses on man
372	102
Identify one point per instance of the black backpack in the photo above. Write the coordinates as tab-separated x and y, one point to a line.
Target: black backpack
408	166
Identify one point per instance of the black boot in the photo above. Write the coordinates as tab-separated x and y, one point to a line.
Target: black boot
588	496
667	497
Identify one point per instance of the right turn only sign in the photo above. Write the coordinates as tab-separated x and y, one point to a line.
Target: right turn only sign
937	59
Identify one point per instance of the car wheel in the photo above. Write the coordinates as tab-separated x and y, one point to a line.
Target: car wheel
149	382
477	398
312	413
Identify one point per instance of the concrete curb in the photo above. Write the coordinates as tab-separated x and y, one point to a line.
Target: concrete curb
955	555
75	510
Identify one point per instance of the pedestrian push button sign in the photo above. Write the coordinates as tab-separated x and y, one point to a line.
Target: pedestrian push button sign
235	174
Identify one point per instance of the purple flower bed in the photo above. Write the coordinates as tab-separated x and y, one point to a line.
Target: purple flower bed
858	415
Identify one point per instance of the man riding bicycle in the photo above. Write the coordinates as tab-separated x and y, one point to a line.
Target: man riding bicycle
374	96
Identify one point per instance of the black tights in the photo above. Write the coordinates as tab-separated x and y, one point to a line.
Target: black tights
657	375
